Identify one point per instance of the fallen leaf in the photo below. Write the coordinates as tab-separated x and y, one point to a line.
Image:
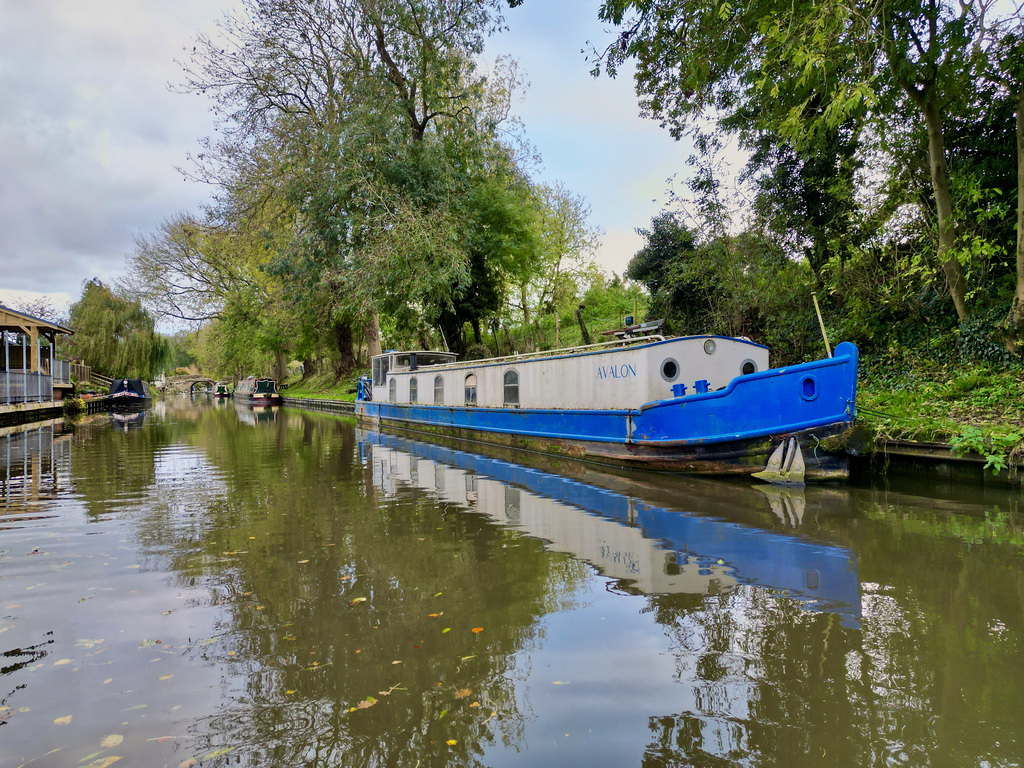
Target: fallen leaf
167	612
108	680
467	658
303	561
452	742
446	629
395	662
63	720
104	762
190	763
477	630
560	682
462	693
475	704
288	693
217	753
435	615
165	677
366	703
438	594
358	600
62	661
112	740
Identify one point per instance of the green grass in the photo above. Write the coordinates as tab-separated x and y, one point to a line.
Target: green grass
978	410
321	386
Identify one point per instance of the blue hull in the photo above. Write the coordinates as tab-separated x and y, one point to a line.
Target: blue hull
730	431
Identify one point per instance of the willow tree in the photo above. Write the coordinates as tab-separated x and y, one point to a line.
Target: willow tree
114	334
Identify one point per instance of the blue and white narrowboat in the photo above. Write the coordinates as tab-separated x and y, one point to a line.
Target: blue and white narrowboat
696	404
130	393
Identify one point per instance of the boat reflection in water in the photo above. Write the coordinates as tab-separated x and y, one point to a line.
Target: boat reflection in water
125	420
651	549
253	416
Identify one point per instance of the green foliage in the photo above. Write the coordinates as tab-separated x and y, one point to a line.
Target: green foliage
115	335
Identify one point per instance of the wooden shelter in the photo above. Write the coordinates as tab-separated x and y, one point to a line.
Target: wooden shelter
24	357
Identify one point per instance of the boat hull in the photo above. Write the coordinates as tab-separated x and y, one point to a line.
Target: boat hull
732	431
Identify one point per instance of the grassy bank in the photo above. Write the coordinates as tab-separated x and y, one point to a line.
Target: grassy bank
321	386
978	409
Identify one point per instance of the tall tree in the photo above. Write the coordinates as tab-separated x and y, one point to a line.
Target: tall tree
807	67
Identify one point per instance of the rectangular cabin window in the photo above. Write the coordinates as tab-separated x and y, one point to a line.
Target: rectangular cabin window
376	372
439	390
412	389
471	389
402	361
393	391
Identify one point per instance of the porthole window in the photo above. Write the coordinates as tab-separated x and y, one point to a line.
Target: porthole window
710	346
809	388
669	369
413	387
748	367
439	390
511	387
471	389
393	391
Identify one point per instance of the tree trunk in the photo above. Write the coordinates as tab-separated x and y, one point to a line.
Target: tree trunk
951	266
372	333
343	338
1015	320
583	327
280	365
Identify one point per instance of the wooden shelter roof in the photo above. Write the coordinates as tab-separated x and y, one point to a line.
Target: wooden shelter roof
19	322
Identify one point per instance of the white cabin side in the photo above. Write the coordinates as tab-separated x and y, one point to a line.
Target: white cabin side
608	378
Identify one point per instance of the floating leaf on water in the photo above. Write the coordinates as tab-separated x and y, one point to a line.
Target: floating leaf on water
104	762
475	704
231	653
112	740
165	677
167	612
395	662
560	682
217	753
61	662
137	706
435	615
452	742
303	561
289	693
358	600
366	703
477	630
467	658
463	693
438	594
446	629
189	763
63	720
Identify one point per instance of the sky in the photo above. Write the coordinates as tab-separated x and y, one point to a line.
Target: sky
92	137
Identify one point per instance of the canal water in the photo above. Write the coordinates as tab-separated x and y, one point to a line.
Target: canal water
198	585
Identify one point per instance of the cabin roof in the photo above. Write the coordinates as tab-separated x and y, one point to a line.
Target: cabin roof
20	322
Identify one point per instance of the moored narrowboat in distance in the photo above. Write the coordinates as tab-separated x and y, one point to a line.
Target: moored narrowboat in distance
130	392
257	391
696	404
222	389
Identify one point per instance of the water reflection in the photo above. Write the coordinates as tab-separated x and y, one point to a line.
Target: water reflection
303	594
34	465
652	549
